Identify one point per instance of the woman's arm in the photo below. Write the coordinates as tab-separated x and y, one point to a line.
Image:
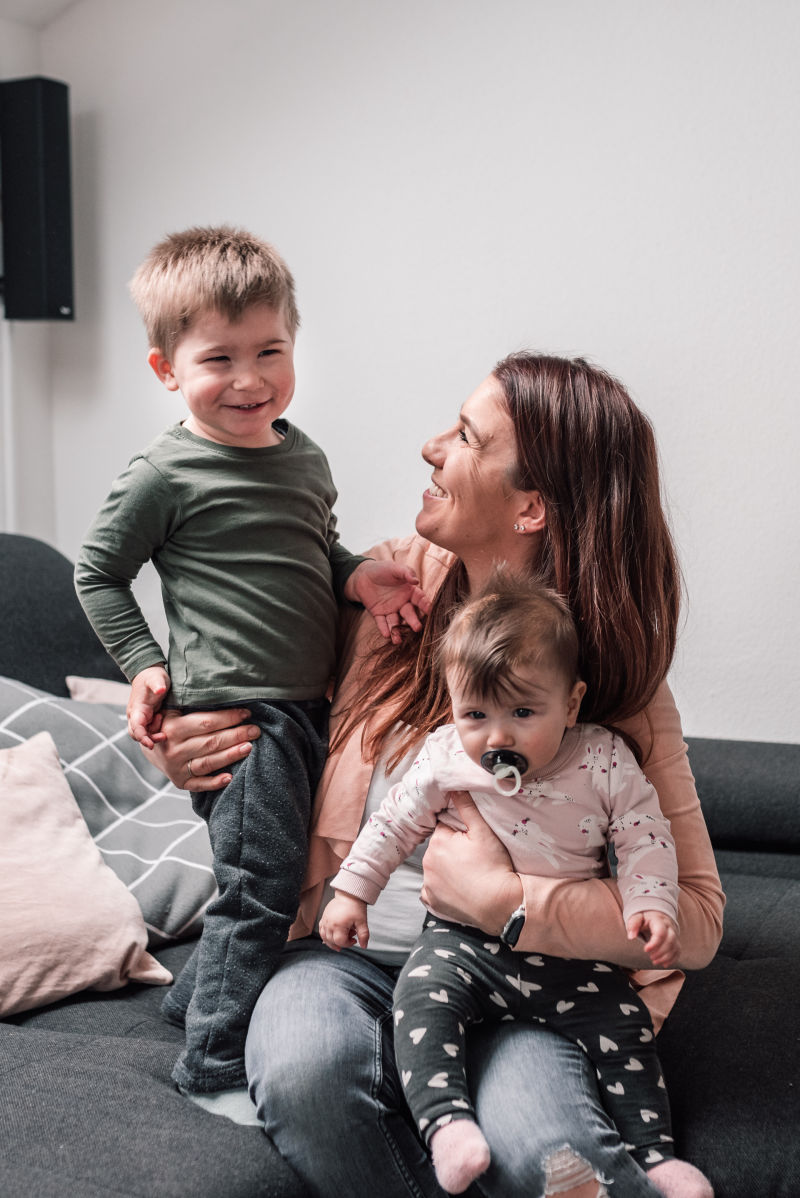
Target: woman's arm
584	919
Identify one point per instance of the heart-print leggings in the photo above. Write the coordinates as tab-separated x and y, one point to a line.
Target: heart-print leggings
458	975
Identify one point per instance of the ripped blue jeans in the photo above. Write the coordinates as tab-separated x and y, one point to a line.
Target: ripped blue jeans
321	1070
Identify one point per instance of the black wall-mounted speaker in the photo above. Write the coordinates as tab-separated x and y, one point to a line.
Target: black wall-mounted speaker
36	199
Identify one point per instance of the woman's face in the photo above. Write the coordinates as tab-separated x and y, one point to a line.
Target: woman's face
472	505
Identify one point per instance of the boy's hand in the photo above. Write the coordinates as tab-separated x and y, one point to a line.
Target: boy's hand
390	593
344	922
147	694
660	935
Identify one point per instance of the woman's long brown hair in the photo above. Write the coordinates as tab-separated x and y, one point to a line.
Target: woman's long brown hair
607	549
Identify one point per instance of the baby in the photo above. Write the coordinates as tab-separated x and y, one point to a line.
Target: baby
556	793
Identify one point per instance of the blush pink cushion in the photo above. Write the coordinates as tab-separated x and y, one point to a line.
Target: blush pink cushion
67	922
97	690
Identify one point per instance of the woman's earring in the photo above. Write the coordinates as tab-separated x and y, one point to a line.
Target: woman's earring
519	528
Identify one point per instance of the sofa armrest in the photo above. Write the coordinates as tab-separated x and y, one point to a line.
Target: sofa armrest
44	634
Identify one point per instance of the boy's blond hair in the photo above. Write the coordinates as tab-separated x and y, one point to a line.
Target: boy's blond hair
220	269
513	623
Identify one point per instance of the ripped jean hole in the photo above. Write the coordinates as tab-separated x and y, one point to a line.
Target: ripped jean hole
565	1170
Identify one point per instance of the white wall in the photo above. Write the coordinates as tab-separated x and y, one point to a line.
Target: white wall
450	180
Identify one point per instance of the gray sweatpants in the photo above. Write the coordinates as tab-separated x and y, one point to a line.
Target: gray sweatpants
258	827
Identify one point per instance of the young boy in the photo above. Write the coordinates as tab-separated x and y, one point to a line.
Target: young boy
559	793
234	508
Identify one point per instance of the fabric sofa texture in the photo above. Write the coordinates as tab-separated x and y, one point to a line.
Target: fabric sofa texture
87	1108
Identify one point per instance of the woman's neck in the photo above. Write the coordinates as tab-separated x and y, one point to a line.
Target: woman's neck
521	558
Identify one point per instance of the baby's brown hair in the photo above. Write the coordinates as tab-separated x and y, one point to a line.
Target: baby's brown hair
513	623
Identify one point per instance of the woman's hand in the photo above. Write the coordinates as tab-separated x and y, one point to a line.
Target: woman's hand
192	748
468	876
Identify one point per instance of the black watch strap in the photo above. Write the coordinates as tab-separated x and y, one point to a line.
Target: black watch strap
516	922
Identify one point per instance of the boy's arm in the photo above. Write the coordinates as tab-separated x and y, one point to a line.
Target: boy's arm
343	562
390	592
130	526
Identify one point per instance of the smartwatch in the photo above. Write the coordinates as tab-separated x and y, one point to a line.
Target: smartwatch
516	921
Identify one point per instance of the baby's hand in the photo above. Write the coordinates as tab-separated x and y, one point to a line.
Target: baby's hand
344	922
147	694
390	593
660	935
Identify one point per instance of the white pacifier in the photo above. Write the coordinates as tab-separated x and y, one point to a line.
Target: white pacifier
502	764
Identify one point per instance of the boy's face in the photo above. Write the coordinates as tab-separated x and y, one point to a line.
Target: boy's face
236	377
532	722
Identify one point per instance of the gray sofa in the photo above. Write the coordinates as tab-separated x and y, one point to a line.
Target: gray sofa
86	1105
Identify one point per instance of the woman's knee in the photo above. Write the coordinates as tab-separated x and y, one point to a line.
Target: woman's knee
314	1044
537	1102
320	1065
569	1175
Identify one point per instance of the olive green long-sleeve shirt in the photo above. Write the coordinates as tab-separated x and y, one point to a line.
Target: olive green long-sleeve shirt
245	544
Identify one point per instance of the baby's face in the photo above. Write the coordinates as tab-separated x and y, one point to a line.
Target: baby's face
236	377
531	721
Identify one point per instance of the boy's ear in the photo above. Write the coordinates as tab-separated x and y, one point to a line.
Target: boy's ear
163	368
574	703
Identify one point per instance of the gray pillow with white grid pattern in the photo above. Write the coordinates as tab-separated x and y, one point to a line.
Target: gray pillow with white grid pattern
144	827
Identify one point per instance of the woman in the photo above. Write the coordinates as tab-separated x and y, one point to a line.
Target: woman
553	469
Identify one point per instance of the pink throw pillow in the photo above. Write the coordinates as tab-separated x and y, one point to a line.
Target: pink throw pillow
97	690
68	923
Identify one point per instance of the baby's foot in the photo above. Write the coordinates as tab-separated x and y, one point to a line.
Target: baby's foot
679	1179
460	1154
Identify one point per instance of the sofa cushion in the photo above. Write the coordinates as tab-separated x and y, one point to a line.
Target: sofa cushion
92	1116
68	922
746	807
93	1111
144	827
729	1048
729	1054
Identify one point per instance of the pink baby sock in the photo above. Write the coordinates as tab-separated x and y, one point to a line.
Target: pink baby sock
679	1179
460	1154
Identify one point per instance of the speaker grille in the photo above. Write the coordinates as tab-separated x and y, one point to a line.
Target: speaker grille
36	200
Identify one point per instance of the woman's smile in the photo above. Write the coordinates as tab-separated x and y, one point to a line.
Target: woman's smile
435	492
471	504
